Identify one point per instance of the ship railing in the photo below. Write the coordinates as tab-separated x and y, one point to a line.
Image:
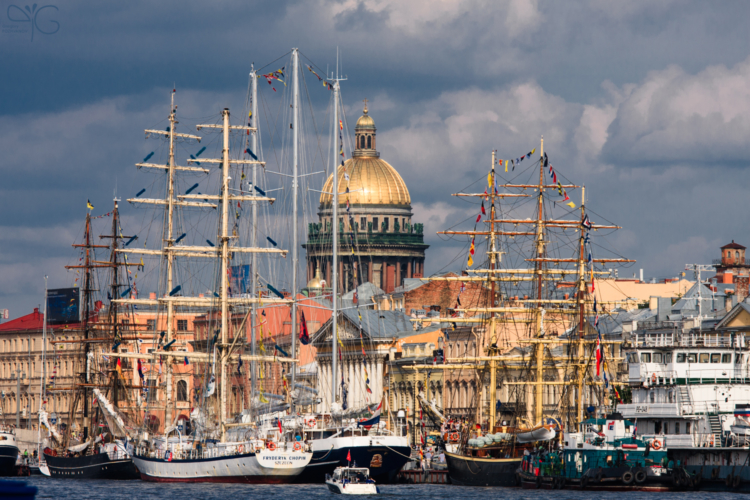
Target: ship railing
118	454
738	440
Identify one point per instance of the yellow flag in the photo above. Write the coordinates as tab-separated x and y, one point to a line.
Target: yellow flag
470	262
89	205
533	150
571	204
506	166
489	179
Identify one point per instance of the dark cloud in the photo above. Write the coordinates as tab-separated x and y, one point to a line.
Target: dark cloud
644	102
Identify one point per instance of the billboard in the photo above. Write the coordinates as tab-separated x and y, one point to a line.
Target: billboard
240	279
63	306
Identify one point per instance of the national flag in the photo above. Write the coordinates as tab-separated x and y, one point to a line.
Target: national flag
349	456
341	125
489	180
599	354
304	335
281	431
479	217
586	222
186	361
119	366
89	205
140	370
374	420
483	211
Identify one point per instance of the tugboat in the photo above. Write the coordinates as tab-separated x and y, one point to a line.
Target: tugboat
351	481
604	455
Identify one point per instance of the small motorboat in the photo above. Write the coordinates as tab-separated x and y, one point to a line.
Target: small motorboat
351	481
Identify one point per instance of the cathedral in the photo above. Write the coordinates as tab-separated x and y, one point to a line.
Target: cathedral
378	241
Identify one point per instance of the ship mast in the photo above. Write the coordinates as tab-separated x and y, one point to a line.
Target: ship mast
223	252
295	212
253	228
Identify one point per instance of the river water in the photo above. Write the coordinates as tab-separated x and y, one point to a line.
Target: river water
138	490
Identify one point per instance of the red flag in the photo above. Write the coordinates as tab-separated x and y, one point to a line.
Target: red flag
304	335
349	456
281	431
479	217
483	212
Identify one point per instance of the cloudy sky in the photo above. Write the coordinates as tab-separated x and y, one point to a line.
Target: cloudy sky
646	103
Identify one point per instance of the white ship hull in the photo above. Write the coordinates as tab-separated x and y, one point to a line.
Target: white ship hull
265	467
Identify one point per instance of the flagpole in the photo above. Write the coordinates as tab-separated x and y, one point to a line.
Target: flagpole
254	234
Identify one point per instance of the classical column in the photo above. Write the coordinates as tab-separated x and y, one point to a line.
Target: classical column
397	274
409	269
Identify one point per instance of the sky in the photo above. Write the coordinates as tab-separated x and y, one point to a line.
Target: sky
645	103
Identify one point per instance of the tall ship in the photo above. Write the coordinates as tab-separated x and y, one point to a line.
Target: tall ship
208	445
537	340
99	446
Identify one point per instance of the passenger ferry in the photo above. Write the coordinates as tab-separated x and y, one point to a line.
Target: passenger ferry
691	392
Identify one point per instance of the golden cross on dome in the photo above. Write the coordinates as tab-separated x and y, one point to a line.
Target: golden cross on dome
365	101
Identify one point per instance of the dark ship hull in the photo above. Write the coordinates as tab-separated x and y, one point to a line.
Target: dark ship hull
384	462
472	471
8	456
97	466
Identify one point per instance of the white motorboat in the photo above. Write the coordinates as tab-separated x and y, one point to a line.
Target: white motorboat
351	481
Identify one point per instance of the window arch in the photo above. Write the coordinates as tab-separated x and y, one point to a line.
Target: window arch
362	142
182	390
369	145
737	255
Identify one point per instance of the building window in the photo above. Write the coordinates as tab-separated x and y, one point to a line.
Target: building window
676	427
182	325
362	223
151	325
369	146
375	226
182	390
385	224
362	142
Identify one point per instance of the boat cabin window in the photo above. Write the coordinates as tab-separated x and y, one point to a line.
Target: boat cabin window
715	358
680	357
651	396
692	357
657	357
666	427
676	427
670	397
657	426
667	358
703	357
645	357
632	358
726	358
687	427
738	359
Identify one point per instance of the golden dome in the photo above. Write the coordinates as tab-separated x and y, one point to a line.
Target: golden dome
316	282
365	121
372	181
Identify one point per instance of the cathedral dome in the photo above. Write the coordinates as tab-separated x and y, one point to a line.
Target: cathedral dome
372	181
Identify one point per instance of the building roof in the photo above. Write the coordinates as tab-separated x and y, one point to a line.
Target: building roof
33	321
365	292
733	245
372	181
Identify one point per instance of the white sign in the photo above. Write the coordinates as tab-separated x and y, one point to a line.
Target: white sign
4	313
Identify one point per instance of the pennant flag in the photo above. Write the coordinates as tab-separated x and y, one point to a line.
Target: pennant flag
598	353
281	431
186	361
489	180
282	351
313	72
571	204
180	238
209	243
119	366
262	193
483	211
513	164
140	370
125	292
586	222
148	157
191	188
272	289
251	154
89	205
131	240
140	192
349	455
271	241
532	151
546	160
175	290
304	335
239	367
